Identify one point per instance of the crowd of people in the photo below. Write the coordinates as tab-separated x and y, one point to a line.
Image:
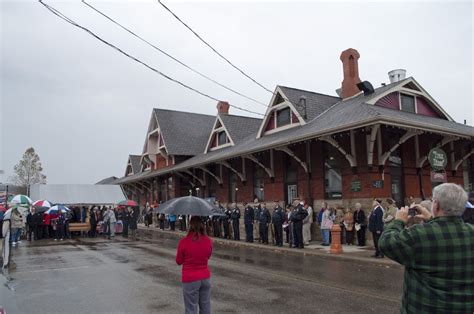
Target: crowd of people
34	224
293	224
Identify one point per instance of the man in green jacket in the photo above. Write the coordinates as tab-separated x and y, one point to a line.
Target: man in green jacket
438	255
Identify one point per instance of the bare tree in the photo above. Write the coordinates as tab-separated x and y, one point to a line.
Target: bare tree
28	170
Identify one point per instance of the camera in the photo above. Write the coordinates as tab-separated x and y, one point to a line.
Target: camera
412	211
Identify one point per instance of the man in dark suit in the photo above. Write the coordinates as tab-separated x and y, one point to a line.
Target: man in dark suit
376	225
249	217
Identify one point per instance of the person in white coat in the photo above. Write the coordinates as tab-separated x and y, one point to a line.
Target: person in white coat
307	224
111	220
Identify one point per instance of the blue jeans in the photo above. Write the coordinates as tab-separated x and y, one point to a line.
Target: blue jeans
15	234
197	297
325	234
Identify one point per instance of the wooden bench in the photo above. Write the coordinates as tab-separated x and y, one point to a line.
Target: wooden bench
79	226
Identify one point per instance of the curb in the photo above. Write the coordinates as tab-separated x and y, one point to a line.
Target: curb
281	250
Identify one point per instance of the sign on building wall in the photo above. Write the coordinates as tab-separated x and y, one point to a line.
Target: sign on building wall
356	186
377	184
437	159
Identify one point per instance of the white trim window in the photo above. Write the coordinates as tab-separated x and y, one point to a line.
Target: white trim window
280	115
408	103
219	137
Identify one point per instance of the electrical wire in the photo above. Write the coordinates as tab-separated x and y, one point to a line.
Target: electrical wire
212	48
170	56
70	21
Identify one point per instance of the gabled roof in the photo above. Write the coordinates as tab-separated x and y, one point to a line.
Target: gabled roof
135	162
316	103
240	127
341	116
109	180
413	87
185	133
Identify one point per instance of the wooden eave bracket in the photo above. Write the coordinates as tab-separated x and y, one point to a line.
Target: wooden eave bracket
218	179
409	134
227	165
290	153
460	161
201	181
269	171
333	142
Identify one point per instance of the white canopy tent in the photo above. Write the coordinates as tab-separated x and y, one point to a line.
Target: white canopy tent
77	194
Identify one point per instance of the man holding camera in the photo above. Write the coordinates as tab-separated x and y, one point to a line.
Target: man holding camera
437	255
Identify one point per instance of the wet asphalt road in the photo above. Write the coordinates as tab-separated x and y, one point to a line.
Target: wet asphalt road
122	276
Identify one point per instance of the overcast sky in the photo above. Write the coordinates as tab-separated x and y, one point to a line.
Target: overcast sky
84	107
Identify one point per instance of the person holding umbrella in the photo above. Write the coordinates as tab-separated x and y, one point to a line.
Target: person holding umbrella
58	222
16	220
193	253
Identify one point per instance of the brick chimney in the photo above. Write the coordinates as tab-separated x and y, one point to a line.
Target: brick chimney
223	107
350	66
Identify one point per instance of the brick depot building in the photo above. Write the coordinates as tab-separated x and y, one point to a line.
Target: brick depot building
362	144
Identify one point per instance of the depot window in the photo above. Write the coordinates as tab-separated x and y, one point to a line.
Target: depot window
283	117
221	138
332	173
407	103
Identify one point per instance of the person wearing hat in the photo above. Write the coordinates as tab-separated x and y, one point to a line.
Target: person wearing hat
389	214
235	217
297	217
376	225
278	218
264	220
468	215
249	217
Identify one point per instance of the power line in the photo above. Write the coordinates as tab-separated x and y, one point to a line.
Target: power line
70	21
212	48
170	56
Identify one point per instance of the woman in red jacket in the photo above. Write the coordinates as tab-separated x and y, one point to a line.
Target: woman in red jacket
193	253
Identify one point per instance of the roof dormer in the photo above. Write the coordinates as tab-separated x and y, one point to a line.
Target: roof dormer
410	97
280	115
219	137
133	165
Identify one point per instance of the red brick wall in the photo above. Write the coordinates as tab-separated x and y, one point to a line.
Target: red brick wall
274	189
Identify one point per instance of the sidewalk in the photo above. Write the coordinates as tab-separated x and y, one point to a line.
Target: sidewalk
353	253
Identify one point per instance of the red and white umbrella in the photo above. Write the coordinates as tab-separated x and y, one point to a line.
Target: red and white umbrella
42	203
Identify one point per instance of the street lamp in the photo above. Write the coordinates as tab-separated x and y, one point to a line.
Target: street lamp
190	192
197	191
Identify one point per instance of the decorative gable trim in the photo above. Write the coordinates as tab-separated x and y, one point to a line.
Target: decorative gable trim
218	127
154	141
129	166
274	106
410	86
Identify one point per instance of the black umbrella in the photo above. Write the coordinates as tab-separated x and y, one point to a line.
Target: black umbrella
189	205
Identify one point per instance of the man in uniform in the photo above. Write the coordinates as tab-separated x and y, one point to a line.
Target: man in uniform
226	222
278	217
235	216
264	220
257	211
297	216
249	217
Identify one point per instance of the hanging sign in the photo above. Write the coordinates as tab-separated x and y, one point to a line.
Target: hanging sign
438	177
437	159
